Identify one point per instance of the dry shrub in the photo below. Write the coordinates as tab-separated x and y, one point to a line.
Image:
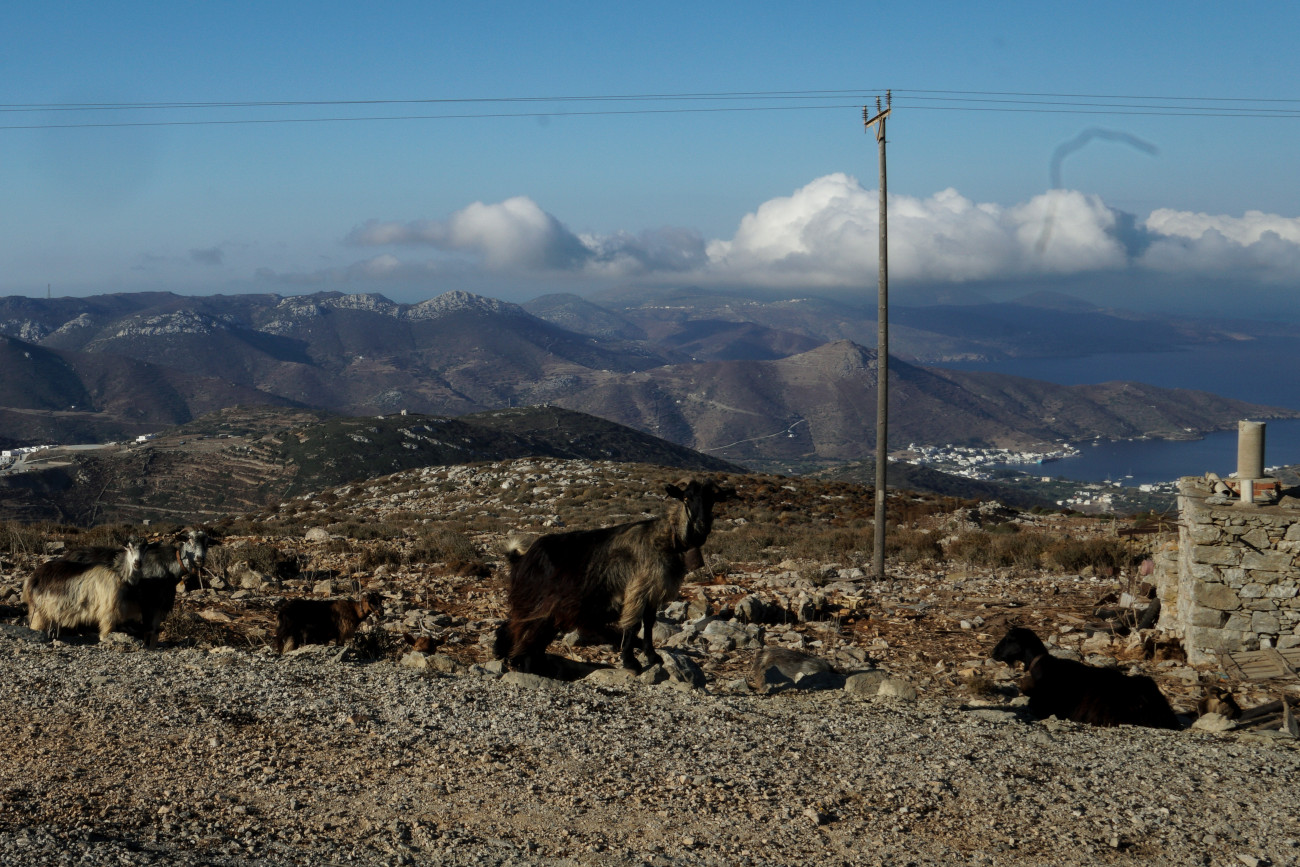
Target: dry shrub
979	685
341	546
243	527
1074	555
366	530
469	568
186	628
980	548
1025	549
260	556
378	644
913	546
110	535
835	543
746	543
443	544
16	538
379	555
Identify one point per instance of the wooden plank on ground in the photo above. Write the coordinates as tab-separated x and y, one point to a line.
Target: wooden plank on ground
1262	664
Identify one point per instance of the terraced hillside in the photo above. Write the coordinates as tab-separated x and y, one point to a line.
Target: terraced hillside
241	460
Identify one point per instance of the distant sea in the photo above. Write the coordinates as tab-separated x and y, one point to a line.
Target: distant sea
1261	371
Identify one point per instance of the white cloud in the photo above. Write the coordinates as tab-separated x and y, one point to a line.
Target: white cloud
827	233
512	235
518	236
1244	230
1256	246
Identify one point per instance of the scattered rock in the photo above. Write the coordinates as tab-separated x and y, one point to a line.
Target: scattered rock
894	688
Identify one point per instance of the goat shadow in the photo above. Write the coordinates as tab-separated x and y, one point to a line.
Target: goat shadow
563	668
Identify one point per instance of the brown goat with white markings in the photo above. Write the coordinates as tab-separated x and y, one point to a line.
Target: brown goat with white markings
71	592
320	621
585	579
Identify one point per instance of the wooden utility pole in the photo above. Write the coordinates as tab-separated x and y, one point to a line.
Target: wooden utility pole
882	343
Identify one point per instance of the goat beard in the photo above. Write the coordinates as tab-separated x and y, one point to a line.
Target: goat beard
694	559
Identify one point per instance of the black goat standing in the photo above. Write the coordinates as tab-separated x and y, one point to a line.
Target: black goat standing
585	579
1072	690
164	566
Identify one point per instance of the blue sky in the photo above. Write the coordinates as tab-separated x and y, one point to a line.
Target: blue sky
1151	207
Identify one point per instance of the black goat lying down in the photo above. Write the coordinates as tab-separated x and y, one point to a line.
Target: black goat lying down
585	579
1071	690
320	621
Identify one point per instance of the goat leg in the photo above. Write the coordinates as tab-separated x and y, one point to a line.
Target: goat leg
628	654
652	656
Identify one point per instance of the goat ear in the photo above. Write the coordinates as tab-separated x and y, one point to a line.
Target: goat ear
675	492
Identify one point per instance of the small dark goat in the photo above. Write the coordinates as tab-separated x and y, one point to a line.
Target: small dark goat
320	621
71	592
1071	690
584	579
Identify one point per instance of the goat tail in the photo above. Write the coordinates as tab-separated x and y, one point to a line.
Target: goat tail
516	547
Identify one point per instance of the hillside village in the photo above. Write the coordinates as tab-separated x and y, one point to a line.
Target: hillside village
997	464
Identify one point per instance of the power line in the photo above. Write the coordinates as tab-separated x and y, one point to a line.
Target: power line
486	115
812	100
947	95
756	94
964	93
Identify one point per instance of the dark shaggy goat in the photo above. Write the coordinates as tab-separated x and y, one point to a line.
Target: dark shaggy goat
71	592
165	565
585	579
1071	690
320	621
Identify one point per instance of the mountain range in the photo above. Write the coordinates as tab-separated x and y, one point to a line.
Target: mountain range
749	381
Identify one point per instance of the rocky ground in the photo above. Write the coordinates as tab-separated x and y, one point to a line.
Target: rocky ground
213	750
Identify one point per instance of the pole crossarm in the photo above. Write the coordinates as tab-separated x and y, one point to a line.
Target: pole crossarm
867	122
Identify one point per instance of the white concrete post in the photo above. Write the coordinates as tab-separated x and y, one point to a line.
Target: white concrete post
1250	457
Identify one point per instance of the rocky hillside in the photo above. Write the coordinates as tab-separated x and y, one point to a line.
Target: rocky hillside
909	746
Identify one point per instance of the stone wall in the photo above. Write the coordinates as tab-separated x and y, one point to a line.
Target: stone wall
1234	582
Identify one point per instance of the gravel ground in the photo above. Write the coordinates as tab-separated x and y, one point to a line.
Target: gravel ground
119	755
